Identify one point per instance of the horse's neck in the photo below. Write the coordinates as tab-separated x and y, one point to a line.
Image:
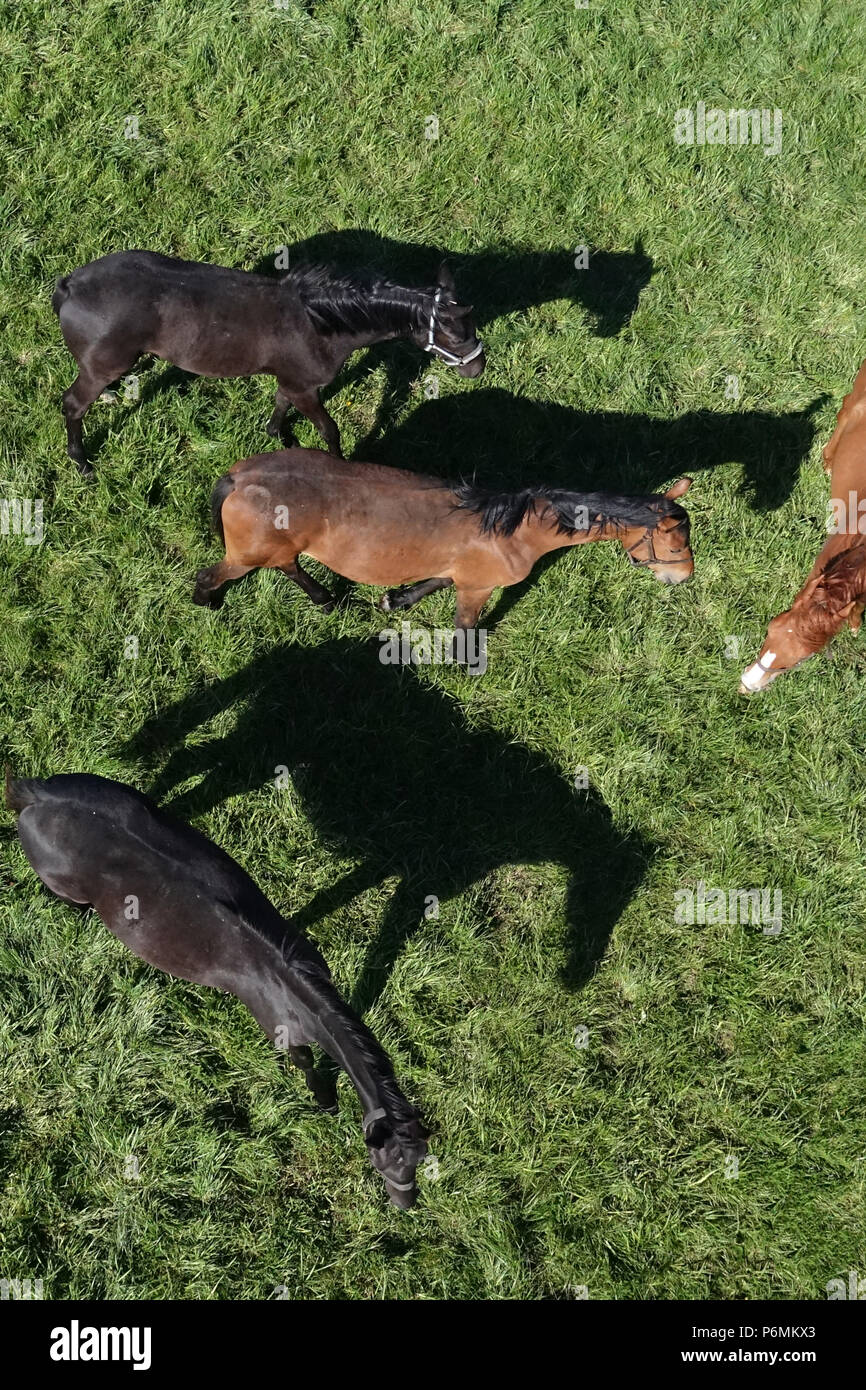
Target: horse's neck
340	1033
834	546
540	533
398	319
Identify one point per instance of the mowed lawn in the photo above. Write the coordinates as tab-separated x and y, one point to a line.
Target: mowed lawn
621	1106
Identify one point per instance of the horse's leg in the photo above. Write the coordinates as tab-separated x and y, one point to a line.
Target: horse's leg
404	598
276	424
321	596
324	1088
77	400
469	605
308	403
208	582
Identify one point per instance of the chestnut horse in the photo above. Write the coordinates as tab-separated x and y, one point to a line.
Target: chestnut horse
835	590
385	526
299	327
182	904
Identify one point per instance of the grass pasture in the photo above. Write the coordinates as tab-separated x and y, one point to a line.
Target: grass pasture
620	1104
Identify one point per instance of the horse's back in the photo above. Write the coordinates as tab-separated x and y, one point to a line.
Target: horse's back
282	467
97	841
123	268
847	443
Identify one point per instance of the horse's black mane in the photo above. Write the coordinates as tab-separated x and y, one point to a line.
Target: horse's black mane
501	513
334	1012
354	303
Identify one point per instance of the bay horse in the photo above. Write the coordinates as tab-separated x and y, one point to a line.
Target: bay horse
299	327
182	904
835	589
385	526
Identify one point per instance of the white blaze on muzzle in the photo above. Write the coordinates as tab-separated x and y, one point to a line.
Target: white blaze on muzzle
752	677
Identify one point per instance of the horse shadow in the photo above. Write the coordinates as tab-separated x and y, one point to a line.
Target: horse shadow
392	776
495	281
513	441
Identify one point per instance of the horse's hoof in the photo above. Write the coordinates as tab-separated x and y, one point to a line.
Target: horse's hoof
206	600
385	603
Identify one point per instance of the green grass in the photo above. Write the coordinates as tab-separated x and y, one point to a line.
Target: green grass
559	1166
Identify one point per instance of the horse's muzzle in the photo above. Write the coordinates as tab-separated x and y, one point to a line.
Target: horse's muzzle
673	574
473	368
401	1197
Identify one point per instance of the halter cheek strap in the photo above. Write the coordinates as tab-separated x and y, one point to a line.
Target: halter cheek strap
449	358
369	1119
647	538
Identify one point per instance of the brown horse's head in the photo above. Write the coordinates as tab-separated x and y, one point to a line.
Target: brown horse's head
665	548
822	607
449	333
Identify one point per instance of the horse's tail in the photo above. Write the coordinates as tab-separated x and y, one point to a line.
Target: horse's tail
20	791
222	488
61	293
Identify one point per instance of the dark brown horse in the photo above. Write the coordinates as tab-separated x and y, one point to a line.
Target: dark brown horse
388	527
299	327
182	904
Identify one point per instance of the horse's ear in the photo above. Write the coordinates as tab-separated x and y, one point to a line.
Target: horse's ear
445	280
679	487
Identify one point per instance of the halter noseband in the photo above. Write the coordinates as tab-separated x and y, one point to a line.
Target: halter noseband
449	358
764	663
652	557
370	1118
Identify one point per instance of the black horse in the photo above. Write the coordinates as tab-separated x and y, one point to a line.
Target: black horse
211	321
182	904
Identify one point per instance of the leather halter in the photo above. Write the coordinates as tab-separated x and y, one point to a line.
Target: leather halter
652	559
451	359
370	1118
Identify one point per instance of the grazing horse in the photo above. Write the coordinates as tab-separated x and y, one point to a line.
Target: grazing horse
835	590
182	904
385	526
299	327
